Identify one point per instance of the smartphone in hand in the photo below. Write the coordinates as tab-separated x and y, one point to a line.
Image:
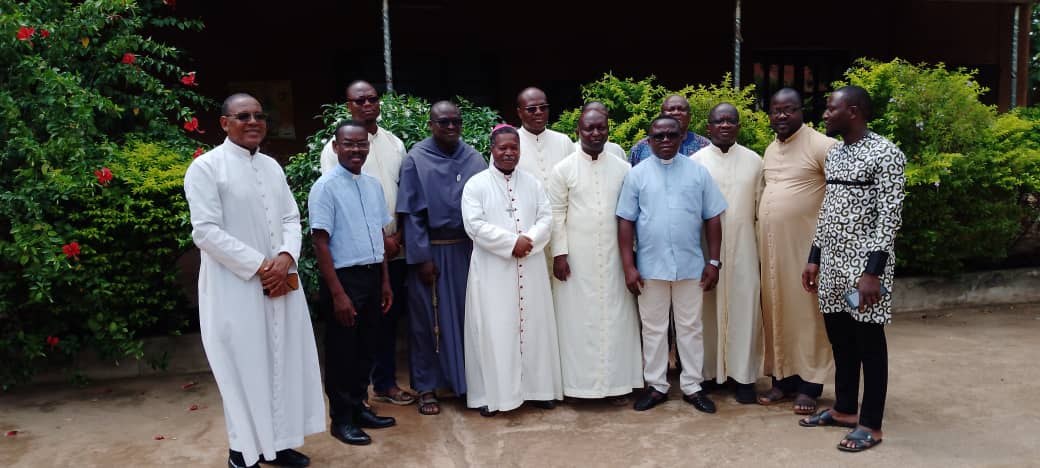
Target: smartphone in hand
852	297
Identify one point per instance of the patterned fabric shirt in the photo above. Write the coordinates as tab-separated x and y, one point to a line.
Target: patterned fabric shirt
691	144
856	228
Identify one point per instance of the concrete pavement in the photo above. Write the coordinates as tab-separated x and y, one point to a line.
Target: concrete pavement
962	393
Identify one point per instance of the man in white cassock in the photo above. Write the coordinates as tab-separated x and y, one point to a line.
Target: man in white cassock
253	316
511	346
733	342
609	147
595	313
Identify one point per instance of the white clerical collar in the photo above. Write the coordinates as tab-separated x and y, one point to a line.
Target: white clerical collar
241	151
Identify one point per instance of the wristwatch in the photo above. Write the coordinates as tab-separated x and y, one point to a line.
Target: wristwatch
715	263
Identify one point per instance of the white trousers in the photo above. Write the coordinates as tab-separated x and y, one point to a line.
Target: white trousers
686	300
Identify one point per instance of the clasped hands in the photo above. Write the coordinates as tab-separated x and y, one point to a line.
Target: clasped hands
274	273
523	246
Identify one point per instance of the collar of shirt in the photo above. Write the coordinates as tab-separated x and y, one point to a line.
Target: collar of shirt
793	136
233	148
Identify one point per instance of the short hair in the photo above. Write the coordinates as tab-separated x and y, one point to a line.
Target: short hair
723	105
346	123
226	106
859	97
358	82
784	91
661	118
442	104
524	91
503	130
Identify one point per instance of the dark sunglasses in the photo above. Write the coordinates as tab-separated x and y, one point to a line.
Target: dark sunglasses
444	123
662	136
245	116
362	100
540	107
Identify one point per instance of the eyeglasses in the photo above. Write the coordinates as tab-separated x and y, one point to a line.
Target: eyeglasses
445	123
540	107
662	136
353	144
782	112
724	121
244	116
362	100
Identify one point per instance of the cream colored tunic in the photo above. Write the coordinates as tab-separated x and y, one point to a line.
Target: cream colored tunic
732	311
595	314
795	339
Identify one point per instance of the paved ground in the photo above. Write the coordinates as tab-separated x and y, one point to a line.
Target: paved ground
962	392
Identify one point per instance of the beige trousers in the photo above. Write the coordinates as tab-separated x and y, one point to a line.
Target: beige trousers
686	299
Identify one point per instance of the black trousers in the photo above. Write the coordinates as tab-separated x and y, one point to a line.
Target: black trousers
795	384
349	350
384	369
859	345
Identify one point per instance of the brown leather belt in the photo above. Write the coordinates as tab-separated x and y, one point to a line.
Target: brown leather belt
446	241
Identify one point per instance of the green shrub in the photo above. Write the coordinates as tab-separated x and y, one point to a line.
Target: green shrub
967	167
634	104
403	115
89	225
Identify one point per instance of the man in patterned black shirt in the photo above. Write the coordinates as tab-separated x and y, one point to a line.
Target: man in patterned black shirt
851	263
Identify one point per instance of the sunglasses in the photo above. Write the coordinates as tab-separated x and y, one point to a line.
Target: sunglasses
245	116
362	100
540	107
662	136
445	123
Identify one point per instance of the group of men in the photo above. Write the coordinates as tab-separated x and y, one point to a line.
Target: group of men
554	271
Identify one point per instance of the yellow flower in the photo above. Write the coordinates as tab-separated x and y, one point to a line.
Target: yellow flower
85	41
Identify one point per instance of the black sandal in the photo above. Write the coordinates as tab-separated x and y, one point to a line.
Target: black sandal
823	419
862	439
426	400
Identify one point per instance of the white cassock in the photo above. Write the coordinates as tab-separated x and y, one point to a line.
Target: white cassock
539	154
732	317
261	350
609	147
512	353
385	155
596	315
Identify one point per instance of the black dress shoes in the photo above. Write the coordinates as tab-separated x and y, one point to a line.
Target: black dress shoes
700	401
287	457
746	394
368	420
486	412
349	434
235	460
650	399
544	404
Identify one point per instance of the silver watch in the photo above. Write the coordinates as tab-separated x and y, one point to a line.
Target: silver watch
715	263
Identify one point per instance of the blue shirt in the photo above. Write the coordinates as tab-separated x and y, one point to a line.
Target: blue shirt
691	144
352	209
669	203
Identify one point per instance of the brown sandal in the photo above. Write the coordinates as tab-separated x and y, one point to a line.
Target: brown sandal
773	396
428	404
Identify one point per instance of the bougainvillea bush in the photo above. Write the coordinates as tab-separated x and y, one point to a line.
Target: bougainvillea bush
92	217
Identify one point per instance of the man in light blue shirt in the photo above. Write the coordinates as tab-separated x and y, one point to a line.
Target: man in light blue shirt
664	204
347	215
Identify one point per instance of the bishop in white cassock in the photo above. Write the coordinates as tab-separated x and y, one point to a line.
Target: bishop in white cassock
595	313
511	346
256	331
733	343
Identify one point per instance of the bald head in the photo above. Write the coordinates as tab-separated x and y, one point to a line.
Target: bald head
677	107
226	106
358	86
595	105
720	109
363	104
593	129
533	108
440	107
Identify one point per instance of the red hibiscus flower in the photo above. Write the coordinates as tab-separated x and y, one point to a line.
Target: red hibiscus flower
52	341
129	58
189	79
71	250
25	32
104	175
45	33
198	152
193	125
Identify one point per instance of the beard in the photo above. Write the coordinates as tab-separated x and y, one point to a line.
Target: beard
833	133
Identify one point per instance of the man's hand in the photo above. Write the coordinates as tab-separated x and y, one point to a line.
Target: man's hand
522	247
343	309
276	272
869	287
810	277
264	266
561	269
391	247
633	280
709	277
428	273
388	297
280	290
